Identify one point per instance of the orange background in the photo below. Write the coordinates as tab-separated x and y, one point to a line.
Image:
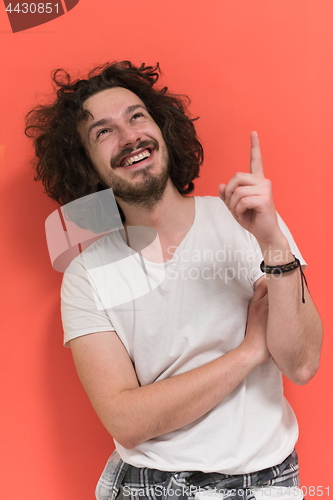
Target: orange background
247	65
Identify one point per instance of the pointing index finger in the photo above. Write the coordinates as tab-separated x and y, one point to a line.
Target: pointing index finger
256	167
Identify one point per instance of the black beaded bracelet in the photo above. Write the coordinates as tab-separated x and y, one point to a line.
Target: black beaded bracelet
285	268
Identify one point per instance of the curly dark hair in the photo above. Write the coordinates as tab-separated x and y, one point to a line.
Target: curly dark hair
63	165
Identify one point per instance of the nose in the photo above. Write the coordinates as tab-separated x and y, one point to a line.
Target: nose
128	137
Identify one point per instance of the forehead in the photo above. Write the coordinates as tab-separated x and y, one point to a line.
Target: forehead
112	102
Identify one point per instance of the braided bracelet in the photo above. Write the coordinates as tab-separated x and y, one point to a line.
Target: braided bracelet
285	268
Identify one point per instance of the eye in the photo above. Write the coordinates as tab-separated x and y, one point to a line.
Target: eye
102	132
137	115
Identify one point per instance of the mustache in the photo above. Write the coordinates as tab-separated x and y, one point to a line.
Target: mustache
115	161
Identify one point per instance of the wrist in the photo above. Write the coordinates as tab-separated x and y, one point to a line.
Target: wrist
278	252
251	355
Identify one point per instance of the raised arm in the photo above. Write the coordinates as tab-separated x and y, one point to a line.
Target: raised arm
294	330
133	413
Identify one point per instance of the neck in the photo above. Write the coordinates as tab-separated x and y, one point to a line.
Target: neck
168	214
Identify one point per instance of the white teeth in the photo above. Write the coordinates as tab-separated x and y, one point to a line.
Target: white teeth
141	156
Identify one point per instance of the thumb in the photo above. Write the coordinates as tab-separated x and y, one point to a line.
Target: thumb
260	290
221	191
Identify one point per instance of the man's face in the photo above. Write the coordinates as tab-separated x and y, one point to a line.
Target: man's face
125	146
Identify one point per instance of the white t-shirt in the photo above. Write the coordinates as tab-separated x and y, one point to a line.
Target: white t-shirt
176	316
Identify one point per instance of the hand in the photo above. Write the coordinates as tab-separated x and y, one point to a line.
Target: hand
249	198
256	327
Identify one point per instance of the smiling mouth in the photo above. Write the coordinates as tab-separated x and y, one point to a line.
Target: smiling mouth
128	161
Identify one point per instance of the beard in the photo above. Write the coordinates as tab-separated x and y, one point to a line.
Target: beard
148	191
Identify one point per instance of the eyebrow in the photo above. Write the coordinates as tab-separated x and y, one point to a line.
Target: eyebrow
106	121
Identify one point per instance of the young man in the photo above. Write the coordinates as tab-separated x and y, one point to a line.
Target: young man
186	378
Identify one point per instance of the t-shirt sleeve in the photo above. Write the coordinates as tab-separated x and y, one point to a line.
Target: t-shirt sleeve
81	310
258	257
